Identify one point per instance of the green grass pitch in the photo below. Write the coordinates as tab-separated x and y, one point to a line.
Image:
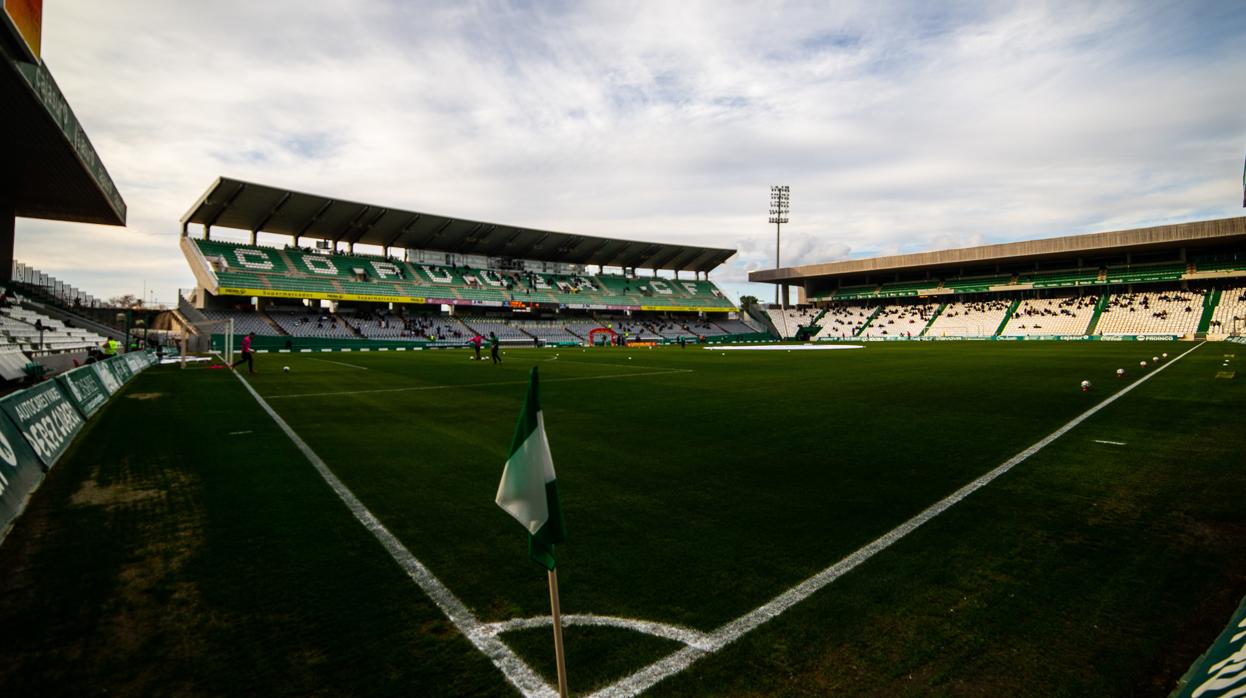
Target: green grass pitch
186	546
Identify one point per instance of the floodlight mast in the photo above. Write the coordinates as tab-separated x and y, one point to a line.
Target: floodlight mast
780	206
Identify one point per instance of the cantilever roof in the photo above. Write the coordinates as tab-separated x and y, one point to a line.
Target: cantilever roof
232	203
56	172
1197	233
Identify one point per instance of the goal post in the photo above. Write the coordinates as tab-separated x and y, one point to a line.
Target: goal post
209	337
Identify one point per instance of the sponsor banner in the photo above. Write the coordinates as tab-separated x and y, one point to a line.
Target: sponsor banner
121	368
106	377
1218	672
20	474
46	418
280	293
136	361
689	309
83	386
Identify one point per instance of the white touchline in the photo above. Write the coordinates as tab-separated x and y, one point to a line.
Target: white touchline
1111	443
340	363
487	385
735	629
512	667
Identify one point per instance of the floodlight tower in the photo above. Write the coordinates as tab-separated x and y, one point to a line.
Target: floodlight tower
780	206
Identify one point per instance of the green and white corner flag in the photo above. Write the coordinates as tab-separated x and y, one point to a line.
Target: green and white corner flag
529	491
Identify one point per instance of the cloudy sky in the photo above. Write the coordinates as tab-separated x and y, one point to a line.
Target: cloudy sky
899	126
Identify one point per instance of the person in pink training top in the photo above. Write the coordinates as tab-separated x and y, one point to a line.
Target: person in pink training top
246	354
476	342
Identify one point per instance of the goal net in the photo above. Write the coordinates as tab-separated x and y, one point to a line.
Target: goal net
209	337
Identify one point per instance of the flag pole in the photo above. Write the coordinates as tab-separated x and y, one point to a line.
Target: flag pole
562	661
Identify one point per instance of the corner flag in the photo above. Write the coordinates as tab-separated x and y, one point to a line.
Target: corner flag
529	491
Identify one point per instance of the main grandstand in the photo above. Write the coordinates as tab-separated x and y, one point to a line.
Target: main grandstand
1180	281
437	280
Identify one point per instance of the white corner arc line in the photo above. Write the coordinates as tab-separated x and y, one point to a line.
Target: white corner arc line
340	363
516	671
484	385
678	633
728	633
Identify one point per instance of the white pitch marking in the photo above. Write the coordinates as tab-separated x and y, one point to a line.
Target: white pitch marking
593	363
516	671
1110	443
235	433
341	363
678	633
787	347
728	633
486	385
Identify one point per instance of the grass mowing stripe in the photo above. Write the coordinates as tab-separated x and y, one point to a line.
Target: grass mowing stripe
730	632
341	363
512	667
607	376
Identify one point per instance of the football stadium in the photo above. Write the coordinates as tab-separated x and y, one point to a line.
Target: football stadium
1011	468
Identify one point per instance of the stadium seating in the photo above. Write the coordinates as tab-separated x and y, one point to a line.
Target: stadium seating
505	332
734	326
303	271
1051	316
547	330
900	320
1066	277
18	325
1220	265
906	288
1166	271
969	319
843	321
311	322
787	322
976	284
245	321
1229	316
380	324
1164	312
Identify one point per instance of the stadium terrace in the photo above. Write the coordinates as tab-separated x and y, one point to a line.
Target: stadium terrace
1175	281
527	286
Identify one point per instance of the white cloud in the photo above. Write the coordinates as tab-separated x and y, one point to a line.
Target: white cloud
899	129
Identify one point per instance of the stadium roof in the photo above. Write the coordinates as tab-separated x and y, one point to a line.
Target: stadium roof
1196	234
232	203
56	173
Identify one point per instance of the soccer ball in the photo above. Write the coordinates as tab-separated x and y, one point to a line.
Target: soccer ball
1085	386
285	368
1155	359
1142	364
1165	355
1120	373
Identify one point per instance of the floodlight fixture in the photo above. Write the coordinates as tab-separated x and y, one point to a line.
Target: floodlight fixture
780	206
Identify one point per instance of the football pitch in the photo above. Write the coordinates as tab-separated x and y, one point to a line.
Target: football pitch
901	519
